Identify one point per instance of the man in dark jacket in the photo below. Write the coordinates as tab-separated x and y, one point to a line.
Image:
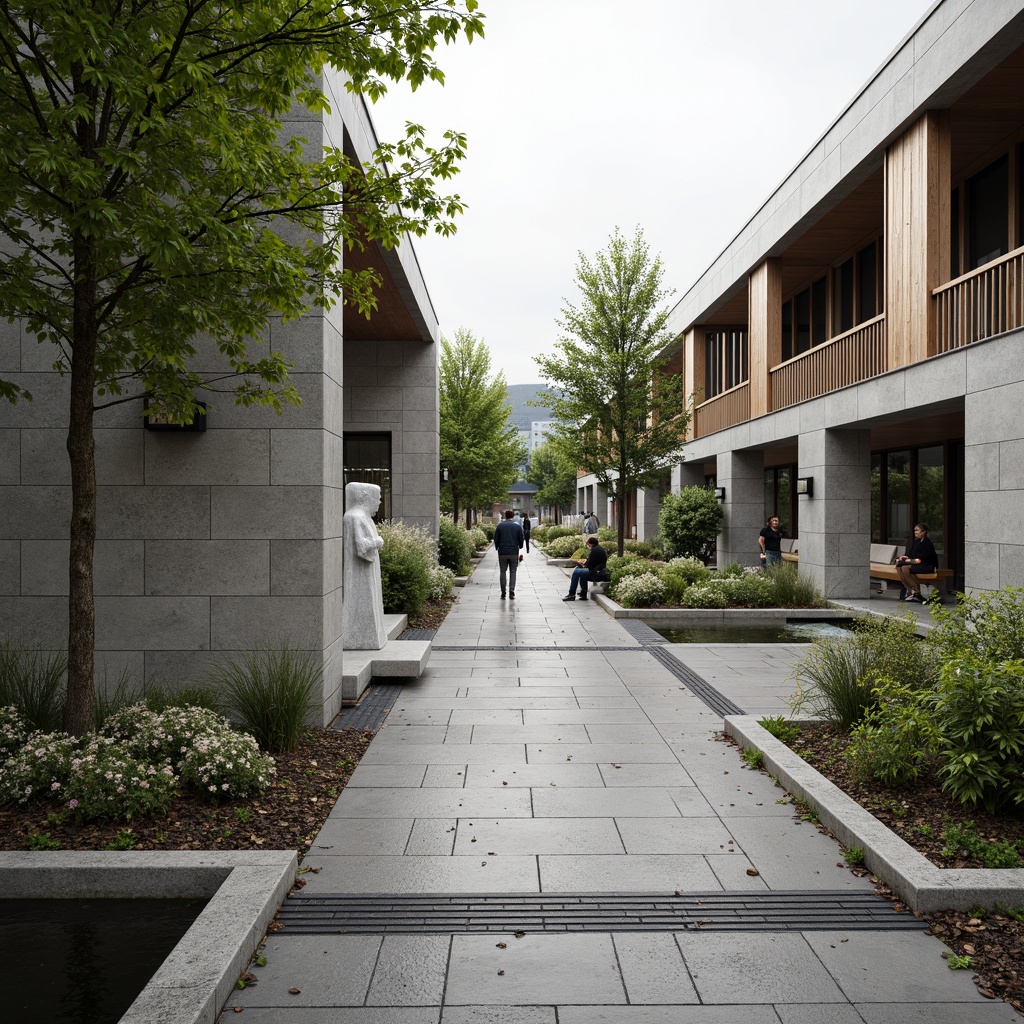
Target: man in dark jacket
508	542
590	571
527	527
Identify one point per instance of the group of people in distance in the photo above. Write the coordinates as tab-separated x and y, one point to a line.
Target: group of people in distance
920	558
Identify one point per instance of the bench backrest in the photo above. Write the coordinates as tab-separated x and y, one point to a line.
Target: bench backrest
885	553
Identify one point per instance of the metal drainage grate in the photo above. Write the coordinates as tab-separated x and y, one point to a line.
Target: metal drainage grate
418	634
515	648
371	711
641	631
330	914
715	699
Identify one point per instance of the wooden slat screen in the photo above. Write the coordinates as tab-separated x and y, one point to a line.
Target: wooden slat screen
846	359
985	302
724	410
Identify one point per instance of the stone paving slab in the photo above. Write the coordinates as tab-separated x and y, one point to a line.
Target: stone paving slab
576	771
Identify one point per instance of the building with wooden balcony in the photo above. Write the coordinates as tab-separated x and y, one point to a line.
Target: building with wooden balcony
863	330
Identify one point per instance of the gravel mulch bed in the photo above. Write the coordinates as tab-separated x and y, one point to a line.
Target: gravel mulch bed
432	614
286	817
994	941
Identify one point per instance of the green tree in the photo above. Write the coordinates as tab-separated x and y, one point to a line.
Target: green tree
480	447
690	521
148	198
555	477
620	414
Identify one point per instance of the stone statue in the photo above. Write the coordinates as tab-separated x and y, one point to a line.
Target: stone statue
362	616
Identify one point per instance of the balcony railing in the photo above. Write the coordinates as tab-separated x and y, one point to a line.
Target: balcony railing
724	410
987	301
843	360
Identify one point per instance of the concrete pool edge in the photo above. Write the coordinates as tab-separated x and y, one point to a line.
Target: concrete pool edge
244	889
919	883
669	618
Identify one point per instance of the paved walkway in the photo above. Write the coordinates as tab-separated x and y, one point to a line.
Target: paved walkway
547	753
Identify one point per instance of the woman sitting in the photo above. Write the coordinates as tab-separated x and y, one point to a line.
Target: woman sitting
920	560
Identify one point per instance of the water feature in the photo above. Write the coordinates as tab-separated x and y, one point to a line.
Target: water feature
77	961
799	631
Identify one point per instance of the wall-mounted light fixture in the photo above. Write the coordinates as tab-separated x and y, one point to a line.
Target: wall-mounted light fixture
160	422
720	493
805	486
444	477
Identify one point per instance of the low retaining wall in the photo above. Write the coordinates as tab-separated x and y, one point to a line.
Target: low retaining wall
915	879
244	889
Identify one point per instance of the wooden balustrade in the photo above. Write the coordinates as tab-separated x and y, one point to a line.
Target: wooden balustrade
843	360
724	410
987	301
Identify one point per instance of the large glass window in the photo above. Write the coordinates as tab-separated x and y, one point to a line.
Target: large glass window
897	480
778	498
931	494
725	360
988	213
867	283
367	459
842	304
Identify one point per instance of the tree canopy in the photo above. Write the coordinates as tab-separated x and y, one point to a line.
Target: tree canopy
620	413
150	197
480	446
554	475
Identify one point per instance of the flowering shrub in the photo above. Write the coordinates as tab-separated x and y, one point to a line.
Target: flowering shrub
13	732
705	595
563	547
640	591
479	538
747	591
693	569
106	781
166	737
226	765
405	563
442	583
39	770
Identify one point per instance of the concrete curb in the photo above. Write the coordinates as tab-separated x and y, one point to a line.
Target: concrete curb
245	889
681	617
918	883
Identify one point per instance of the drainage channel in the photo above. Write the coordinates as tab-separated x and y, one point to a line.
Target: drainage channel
715	699
340	913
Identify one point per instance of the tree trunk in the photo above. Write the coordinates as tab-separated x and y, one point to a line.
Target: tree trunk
79	710
469	518
620	514
455	503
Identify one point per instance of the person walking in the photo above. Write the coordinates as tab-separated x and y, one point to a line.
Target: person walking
591	570
770	542
920	560
590	524
508	542
527	527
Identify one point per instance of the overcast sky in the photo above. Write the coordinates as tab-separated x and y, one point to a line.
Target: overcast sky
680	116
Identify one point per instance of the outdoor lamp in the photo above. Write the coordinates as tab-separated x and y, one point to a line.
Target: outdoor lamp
805	485
720	493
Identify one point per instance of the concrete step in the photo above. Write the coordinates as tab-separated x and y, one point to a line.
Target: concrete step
397	658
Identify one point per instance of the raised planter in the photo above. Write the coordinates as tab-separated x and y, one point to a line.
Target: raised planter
915	879
671	618
244	888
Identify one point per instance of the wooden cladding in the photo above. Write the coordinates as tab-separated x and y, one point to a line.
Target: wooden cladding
977	305
764	288
917	218
846	359
724	410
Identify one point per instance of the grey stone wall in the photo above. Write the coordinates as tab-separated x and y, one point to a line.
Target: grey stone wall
391	387
742	476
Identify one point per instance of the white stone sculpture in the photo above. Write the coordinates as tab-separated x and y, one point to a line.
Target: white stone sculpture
362	616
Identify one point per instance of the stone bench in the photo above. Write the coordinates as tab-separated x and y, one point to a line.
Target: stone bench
404	659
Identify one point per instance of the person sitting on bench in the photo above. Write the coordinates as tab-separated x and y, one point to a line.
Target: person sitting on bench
920	560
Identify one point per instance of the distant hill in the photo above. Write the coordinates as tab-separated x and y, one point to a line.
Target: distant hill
522	414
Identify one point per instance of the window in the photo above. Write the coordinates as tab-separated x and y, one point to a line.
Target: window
842	301
367	459
779	498
867	283
725	360
988	213
909	487
804	319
